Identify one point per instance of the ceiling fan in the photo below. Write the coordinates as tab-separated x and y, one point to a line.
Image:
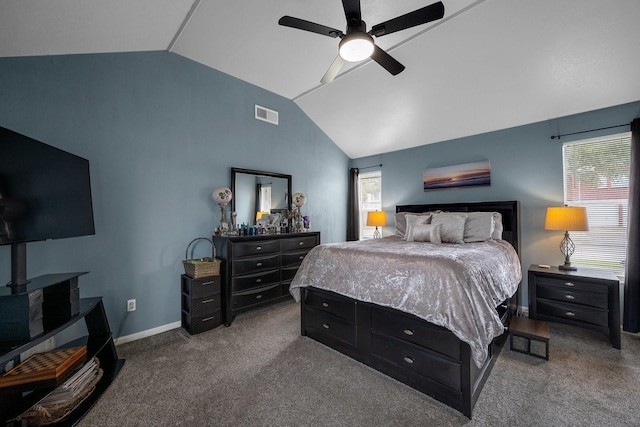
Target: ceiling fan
357	44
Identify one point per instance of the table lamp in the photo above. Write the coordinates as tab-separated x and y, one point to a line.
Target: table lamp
567	218
376	219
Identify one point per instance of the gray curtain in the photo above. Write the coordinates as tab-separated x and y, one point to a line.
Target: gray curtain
353	211
631	318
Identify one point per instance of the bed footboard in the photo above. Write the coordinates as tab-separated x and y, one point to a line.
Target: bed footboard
422	355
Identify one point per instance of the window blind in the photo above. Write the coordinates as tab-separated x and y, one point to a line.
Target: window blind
596	176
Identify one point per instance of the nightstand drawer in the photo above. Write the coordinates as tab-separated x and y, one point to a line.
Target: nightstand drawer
570	283
574	296
573	312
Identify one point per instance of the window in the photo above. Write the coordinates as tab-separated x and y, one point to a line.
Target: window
596	176
370	190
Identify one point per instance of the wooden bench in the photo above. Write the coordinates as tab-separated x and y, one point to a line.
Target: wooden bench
530	330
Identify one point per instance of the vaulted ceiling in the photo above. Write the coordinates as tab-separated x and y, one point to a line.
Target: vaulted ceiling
487	65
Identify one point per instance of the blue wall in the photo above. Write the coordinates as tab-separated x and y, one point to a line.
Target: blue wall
160	132
526	165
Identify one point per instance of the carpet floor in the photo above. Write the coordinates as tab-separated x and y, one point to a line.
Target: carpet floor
261	372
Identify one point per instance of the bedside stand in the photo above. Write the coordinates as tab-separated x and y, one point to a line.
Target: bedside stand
586	298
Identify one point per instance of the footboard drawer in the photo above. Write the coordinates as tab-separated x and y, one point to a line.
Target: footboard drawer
417	360
416	331
332	303
333	327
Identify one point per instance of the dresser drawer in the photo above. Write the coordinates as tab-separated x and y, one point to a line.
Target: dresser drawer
199	288
570	283
574	296
573	312
405	328
249	281
258	247
324	323
289	273
417	360
255	264
255	296
297	243
201	306
331	303
292	259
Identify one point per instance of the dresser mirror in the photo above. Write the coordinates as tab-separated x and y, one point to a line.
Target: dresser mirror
258	193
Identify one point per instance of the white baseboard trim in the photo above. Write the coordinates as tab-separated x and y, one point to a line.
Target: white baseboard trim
147	333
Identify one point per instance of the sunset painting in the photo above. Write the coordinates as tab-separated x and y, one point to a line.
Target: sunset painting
474	174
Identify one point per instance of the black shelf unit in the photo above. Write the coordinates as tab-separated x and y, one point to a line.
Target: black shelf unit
99	342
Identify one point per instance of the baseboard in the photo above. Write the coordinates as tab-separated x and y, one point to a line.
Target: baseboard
147	333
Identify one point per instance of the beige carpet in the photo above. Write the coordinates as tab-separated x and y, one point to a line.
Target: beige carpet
261	372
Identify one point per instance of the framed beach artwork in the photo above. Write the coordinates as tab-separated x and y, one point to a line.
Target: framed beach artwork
476	174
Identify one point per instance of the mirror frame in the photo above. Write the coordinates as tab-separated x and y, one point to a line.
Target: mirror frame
235	171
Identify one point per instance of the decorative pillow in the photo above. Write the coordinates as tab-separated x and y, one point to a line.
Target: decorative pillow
424	233
401	221
478	227
498	228
452	226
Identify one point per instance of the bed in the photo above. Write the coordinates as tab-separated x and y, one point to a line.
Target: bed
437	333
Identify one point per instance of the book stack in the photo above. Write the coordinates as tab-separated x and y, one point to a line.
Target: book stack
73	386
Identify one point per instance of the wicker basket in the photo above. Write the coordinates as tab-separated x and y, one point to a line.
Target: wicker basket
201	267
39	415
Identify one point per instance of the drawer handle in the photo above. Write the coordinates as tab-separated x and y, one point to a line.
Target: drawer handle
326	325
569	284
206	319
258	296
258	248
569	297
408	332
408	359
325	304
301	257
208	301
259	264
300	243
258	280
570	314
208	283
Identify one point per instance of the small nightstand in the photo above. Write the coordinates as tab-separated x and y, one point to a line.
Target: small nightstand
585	298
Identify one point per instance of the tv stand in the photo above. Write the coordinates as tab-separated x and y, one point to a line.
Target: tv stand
99	343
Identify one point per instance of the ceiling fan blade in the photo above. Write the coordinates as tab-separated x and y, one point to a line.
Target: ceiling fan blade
352	12
387	61
411	19
301	24
333	70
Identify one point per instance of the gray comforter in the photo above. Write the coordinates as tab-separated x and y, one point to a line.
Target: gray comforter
456	286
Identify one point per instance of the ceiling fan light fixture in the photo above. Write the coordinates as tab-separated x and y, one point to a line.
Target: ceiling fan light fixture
356	46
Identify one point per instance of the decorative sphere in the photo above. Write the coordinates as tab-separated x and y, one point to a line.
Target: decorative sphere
299	199
222	195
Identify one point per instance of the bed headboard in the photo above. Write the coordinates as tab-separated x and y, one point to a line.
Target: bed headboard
510	211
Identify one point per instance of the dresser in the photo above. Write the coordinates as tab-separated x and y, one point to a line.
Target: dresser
586	298
201	303
257	270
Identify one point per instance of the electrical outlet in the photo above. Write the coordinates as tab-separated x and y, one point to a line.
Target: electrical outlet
131	305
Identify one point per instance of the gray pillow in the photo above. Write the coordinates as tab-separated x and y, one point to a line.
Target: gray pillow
452	226
479	227
401	221
424	233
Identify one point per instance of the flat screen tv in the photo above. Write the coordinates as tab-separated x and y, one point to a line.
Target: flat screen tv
45	193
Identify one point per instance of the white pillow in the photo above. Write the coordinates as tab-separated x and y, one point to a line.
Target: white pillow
424	233
401	221
498	228
479	227
452	226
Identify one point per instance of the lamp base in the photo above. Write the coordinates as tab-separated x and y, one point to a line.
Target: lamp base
376	234
567	267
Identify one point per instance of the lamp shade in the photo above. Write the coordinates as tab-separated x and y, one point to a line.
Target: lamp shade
376	219
566	218
260	214
222	195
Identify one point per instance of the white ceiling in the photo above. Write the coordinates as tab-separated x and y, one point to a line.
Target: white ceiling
488	65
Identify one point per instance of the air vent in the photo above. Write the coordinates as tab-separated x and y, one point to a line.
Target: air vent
266	115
